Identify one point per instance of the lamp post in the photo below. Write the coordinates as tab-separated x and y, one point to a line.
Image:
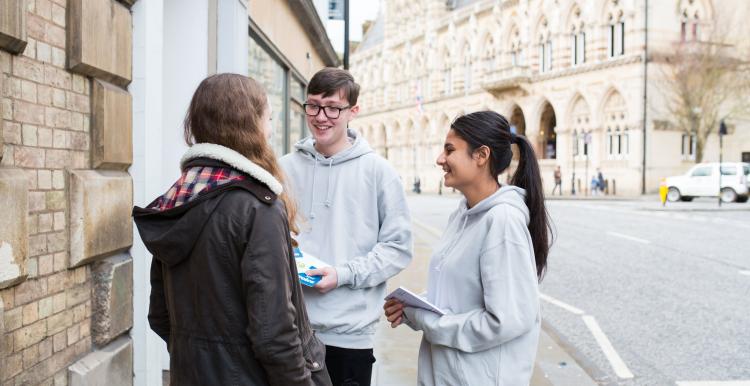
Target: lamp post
574	153
722	133
346	34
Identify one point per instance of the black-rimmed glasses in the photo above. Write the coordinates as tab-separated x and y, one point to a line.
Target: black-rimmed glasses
331	112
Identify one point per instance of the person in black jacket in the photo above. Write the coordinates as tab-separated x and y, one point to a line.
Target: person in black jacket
225	294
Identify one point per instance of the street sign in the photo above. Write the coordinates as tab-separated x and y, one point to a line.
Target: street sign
336	9
587	138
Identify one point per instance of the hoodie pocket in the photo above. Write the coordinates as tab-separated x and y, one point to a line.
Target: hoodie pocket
479	368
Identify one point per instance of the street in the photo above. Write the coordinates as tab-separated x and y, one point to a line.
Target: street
638	294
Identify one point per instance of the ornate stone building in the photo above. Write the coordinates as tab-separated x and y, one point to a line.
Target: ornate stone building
569	74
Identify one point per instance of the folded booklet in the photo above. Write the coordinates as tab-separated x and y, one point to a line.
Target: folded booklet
306	262
410	299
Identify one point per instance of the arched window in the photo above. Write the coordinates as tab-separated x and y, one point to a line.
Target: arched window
688	146
446	74
690	22
545	47
516	49
545	54
618	136
577	39
616	34
580	121
468	68
488	55
615	114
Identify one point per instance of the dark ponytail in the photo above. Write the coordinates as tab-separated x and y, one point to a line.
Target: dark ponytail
488	128
527	176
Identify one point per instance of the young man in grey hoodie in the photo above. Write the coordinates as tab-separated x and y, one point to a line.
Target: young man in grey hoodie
357	221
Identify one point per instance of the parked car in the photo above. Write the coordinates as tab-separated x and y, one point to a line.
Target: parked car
702	180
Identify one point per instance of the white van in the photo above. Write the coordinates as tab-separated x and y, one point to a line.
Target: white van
702	180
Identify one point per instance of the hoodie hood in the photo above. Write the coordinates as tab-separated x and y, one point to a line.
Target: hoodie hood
306	148
171	234
359	148
508	194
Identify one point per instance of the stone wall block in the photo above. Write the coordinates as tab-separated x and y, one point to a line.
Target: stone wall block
112	126
100	40
111	365
2	136
14	228
99	218
112	298
2	339
13	26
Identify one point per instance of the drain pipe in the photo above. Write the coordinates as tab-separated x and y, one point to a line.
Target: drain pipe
645	96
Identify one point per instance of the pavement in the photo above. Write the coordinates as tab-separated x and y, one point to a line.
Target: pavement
396	349
653	203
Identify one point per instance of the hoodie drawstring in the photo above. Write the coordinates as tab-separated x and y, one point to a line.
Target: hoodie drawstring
328	188
327	202
312	191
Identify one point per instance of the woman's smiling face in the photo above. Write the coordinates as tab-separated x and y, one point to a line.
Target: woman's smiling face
459	164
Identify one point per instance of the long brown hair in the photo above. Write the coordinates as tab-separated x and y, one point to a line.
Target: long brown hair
227	110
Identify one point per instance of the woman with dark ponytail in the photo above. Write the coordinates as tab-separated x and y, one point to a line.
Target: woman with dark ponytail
486	270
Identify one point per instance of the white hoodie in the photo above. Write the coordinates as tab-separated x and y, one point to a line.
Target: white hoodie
357	220
483	275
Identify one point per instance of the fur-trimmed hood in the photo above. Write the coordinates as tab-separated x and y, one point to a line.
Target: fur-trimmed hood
171	232
233	159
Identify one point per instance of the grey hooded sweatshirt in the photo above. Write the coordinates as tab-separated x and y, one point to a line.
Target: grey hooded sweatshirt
483	275
356	219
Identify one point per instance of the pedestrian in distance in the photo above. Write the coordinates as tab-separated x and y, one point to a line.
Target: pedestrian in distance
594	186
600	180
357	220
558	181
225	293
485	272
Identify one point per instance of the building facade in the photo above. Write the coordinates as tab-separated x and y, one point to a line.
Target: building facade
92	98
569	75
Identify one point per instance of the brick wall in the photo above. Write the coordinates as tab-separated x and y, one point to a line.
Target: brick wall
47	112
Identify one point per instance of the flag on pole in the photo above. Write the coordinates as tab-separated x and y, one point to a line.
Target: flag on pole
336	9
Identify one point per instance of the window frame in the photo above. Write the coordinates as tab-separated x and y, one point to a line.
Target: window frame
291	74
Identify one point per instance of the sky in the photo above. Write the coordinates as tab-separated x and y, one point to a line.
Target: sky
359	11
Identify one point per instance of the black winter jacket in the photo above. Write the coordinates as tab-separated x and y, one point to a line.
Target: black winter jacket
225	294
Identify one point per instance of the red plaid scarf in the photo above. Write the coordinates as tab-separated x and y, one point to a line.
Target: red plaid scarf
194	181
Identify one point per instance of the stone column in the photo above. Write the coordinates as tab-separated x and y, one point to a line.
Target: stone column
101	198
12	26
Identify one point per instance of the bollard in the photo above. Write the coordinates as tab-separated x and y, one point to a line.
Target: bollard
614	187
663	189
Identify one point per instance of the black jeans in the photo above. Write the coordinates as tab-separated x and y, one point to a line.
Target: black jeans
348	366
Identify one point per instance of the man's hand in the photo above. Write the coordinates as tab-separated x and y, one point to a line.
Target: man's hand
394	312
329	281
